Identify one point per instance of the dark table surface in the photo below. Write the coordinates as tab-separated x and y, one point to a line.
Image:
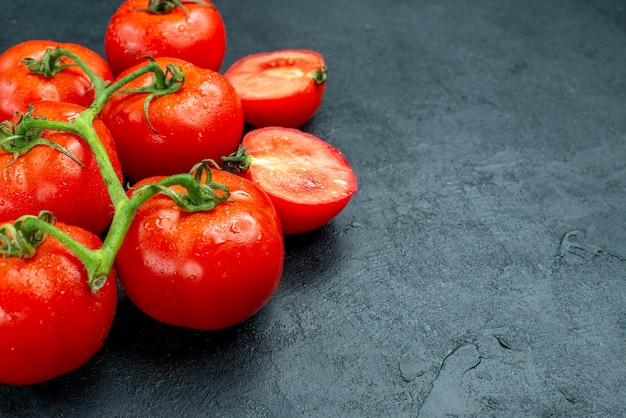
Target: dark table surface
479	271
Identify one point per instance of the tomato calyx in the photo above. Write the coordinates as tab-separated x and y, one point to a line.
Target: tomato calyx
20	137
54	61
161	7
21	238
237	162
320	75
167	82
201	191
50	65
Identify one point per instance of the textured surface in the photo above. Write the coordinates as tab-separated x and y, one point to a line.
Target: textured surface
480	270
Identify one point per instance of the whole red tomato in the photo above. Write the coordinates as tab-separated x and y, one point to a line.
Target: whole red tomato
203	270
19	86
50	321
157	28
202	120
279	88
308	180
46	179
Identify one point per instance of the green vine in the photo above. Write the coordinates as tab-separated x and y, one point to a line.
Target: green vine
22	237
167	82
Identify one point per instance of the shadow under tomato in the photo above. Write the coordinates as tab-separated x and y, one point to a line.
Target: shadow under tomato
70	389
312	256
134	331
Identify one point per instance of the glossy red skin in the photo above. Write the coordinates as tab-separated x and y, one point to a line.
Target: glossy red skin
46	179
308	180
271	97
50	321
204	119
204	270
19	87
198	36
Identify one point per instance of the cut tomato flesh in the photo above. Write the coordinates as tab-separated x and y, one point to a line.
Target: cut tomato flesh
299	167
274	74
280	82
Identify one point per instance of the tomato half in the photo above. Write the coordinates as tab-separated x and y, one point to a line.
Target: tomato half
203	270
50	321
19	86
47	179
202	120
308	180
195	34
280	88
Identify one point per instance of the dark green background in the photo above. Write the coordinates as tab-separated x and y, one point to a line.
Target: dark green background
479	271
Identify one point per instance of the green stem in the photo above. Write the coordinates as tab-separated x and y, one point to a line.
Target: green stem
237	162
200	194
321	75
83	127
98	84
100	100
89	258
124	214
52	63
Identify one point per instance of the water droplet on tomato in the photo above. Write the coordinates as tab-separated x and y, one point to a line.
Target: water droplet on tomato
153	224
235	227
192	270
240	195
19	178
214	236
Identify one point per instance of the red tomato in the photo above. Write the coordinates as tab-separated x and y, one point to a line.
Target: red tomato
308	180
46	179
50	321
196	34
280	88
19	86
202	120
203	270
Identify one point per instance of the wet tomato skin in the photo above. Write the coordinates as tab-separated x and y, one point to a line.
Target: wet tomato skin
202	120
203	270
46	179
196	35
50	321
19	86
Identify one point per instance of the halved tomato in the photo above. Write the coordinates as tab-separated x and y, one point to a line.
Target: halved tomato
308	180
280	88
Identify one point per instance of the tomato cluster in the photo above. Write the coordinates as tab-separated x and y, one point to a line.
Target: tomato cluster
197	240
